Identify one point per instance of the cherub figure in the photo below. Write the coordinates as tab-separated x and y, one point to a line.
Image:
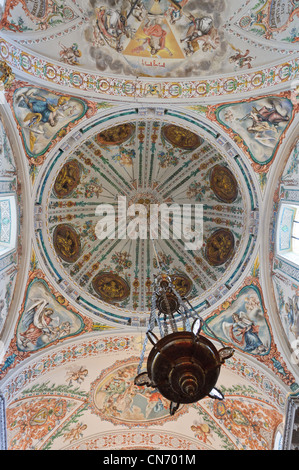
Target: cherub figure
197	28
75	433
77	375
70	55
241	60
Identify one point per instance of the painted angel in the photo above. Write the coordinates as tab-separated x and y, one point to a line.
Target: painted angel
41	109
70	55
39	325
244	333
240	59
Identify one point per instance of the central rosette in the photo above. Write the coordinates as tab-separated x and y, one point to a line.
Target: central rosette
146	199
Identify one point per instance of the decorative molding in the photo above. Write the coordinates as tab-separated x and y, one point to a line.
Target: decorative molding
291	433
57	74
3	437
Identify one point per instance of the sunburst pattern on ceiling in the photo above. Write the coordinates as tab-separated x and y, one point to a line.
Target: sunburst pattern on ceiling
147	162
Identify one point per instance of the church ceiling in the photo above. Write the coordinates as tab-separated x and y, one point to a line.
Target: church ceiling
148	102
155	37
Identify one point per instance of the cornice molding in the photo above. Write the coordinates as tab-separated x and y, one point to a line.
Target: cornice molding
3	438
27	64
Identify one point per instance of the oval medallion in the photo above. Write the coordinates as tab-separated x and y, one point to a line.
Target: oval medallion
224	184
116	135
220	247
180	137
68	179
111	287
67	243
182	284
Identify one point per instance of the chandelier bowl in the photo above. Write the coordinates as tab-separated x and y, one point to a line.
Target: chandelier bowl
184	367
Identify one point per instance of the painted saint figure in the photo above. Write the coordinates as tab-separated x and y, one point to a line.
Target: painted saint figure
39	325
111	26
41	109
269	114
66	243
265	123
197	28
155	40
68	179
244	333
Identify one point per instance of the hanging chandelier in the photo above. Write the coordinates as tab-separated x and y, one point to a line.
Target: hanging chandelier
183	365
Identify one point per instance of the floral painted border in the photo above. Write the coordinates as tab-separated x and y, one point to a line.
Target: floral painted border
127	88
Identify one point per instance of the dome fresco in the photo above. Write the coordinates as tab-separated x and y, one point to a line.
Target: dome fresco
144	164
139	136
153	49
156	38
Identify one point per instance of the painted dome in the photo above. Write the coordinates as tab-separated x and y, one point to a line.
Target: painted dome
147	163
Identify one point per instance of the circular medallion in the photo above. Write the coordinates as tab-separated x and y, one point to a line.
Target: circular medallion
110	287
67	243
182	284
180	137
220	247
67	179
116	135
224	184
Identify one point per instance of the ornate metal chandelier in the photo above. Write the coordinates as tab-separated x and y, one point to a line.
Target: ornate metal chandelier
183	365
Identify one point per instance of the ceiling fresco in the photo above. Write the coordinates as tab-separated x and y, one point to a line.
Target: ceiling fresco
30	16
271	20
122	106
63	401
155	38
43	118
181	168
258	124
